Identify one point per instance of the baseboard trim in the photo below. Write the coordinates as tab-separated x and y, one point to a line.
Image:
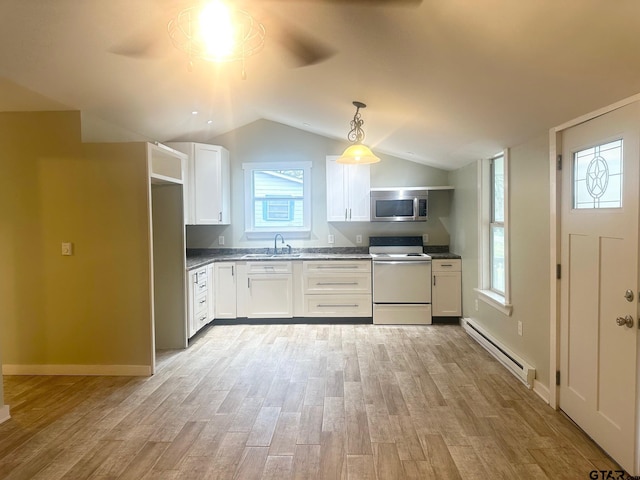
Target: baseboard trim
541	390
4	413
85	370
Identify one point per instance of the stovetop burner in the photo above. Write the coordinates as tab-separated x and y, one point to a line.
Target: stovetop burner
397	248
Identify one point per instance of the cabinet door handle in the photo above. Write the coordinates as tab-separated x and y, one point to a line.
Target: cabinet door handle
349	214
345	214
220	217
434	281
248	283
232	267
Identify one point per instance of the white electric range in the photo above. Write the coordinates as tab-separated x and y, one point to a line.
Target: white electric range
401	280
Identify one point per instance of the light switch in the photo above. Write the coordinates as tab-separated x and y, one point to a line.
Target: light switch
221	240
67	248
331	239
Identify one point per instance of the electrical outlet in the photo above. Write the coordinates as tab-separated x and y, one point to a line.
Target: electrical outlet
221	240
425	238
67	248
519	328
477	306
358	238
331	239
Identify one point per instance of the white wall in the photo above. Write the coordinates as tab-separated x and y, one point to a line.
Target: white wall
266	141
529	244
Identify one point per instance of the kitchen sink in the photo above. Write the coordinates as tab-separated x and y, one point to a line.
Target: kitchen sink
270	255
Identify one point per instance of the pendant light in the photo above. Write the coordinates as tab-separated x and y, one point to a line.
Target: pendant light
358	153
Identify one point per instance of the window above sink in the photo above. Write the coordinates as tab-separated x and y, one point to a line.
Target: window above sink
277	198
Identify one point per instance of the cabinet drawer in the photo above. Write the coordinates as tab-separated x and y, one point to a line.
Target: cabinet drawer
337	266
201	304
454	265
269	266
337	306
337	282
200	280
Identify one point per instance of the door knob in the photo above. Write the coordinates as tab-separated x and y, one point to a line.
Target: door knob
622	321
629	295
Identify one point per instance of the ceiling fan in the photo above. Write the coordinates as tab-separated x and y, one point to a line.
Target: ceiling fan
185	33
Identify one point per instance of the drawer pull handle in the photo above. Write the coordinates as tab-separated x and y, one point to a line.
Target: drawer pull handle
203	318
337	283
446	265
330	305
336	266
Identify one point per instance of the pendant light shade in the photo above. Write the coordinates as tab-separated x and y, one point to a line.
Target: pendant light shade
358	153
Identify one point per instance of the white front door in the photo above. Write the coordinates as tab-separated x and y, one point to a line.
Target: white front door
599	251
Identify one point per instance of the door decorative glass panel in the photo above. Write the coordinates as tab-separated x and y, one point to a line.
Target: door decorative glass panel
597	176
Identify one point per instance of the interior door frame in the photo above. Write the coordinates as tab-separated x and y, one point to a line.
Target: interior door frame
555	184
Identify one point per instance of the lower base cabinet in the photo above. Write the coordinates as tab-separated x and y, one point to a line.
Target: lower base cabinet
337	288
198	300
446	288
265	289
225	289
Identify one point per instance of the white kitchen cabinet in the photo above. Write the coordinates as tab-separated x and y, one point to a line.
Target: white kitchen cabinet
198	297
337	288
211	313
347	191
207	183
446	289
269	288
224	284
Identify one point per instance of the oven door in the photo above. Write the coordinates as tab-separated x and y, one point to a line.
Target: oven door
401	281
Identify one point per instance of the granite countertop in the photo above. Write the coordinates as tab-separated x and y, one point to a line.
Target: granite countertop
443	256
203	256
199	257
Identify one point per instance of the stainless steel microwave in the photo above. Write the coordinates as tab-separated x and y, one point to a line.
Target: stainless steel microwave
398	205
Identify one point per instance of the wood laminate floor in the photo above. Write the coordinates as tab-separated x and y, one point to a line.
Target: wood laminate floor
297	401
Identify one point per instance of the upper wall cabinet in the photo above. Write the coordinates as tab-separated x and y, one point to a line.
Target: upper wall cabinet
347	192
165	164
207	186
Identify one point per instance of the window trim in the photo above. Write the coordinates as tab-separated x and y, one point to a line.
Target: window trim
250	230
485	199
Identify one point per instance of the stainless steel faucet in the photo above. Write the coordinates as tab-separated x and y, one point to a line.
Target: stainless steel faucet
275	242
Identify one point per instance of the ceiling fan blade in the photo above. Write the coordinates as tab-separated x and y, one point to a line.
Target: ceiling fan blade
136	48
305	49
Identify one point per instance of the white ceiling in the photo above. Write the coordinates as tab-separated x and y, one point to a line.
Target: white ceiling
446	83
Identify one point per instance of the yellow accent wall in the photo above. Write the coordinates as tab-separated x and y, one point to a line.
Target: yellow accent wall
92	308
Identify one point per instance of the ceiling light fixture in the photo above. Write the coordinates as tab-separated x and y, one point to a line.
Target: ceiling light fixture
216	32
357	154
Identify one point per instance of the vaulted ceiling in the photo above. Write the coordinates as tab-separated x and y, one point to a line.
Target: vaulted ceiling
446	81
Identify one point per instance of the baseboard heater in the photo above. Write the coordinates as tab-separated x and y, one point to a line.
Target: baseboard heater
523	371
